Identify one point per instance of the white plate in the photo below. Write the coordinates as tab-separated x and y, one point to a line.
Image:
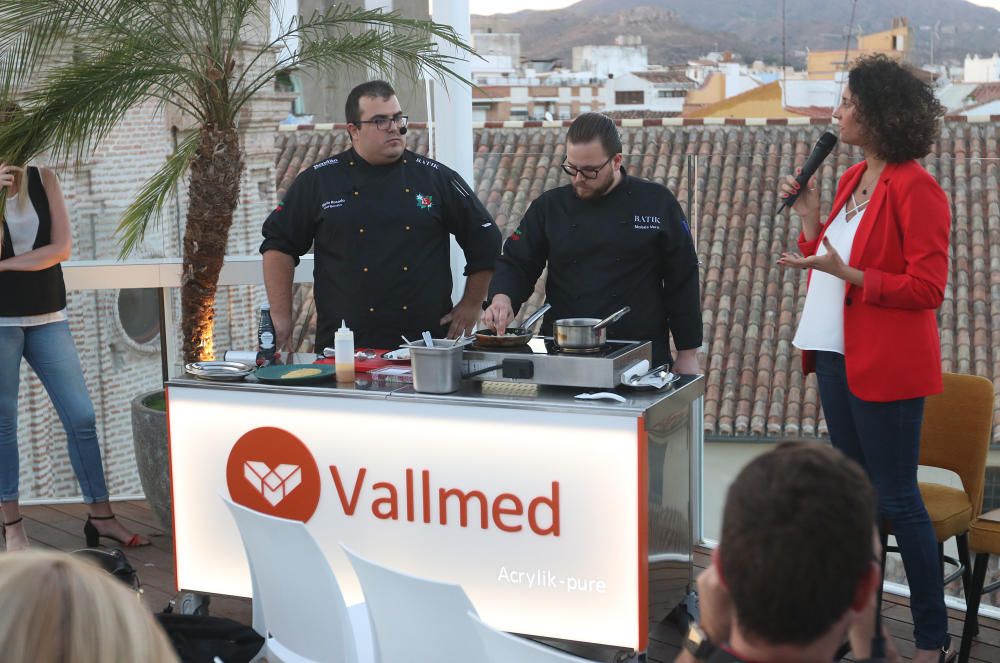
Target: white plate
402	354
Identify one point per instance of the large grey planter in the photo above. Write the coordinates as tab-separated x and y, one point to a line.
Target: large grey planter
149	437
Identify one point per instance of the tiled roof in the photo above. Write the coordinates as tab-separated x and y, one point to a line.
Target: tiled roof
986	92
640	114
726	174
660	77
822	112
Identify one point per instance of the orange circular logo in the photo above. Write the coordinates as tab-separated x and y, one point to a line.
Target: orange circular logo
271	471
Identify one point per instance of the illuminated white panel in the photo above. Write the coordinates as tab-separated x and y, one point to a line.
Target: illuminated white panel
583	584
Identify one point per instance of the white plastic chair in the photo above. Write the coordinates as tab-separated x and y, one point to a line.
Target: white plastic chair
298	606
503	647
415	620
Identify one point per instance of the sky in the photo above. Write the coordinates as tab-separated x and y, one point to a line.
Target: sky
511	6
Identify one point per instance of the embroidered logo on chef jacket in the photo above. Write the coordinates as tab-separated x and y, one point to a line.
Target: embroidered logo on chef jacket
424	201
640	222
271	471
334	204
280	207
516	235
328	162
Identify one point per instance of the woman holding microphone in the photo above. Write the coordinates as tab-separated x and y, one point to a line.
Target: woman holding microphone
879	264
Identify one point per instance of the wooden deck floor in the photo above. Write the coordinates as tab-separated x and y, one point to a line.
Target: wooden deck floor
60	526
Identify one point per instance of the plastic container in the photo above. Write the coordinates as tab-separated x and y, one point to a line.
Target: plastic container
343	345
436	370
265	334
248	357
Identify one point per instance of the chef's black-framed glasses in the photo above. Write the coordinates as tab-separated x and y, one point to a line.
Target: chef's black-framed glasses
588	172
382	122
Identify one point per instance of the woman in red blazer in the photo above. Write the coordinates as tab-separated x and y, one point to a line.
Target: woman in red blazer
878	265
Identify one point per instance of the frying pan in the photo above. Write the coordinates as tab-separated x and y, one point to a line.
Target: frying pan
515	336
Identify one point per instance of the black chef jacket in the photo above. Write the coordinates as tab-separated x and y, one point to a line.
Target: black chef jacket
382	249
631	247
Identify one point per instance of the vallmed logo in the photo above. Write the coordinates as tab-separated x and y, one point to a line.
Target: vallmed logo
272	471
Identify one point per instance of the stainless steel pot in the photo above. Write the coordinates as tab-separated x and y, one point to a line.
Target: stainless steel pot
436	370
584	334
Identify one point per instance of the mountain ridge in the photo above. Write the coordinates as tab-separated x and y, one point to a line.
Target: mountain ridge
675	30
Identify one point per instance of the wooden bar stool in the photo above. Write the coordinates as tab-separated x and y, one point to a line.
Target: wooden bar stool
984	540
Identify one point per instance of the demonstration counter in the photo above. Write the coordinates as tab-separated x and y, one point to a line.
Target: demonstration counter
562	519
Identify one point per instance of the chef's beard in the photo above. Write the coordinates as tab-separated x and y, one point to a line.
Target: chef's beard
593	193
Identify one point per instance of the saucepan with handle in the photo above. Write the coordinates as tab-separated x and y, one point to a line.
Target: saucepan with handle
515	336
584	333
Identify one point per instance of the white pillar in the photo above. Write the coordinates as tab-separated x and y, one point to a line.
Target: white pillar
452	116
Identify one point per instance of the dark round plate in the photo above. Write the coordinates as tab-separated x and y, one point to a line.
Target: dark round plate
290	374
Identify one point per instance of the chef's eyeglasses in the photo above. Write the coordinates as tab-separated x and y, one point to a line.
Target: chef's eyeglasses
588	172
382	123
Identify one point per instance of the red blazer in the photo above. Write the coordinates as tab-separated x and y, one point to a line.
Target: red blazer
891	345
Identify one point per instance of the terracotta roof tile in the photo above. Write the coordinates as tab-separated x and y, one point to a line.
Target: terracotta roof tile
726	175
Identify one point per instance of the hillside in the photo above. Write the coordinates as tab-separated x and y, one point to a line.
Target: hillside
679	29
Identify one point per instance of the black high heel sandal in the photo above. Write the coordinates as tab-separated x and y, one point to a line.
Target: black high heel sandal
4	526
94	537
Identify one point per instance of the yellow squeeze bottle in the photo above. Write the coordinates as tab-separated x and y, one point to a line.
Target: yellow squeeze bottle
343	345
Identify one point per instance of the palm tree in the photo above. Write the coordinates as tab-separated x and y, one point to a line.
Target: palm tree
85	63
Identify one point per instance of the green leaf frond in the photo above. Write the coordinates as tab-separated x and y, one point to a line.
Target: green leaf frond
149	203
79	104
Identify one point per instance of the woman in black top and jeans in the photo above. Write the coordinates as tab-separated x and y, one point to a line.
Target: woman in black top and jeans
35	239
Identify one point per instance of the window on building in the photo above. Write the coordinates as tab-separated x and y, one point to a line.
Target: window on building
139	314
564	112
519	112
669	94
625	97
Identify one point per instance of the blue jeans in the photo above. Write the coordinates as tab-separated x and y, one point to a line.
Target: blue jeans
49	350
885	439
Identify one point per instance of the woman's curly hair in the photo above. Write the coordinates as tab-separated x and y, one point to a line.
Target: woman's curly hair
898	112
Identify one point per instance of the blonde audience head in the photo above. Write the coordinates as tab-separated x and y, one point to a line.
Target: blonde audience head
55	607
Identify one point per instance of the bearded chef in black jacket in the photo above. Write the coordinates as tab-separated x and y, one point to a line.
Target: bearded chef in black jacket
610	241
379	218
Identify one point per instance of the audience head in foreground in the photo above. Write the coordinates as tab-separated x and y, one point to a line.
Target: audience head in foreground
58	608
796	570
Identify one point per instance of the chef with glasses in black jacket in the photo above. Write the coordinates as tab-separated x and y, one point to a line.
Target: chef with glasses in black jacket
378	218
610	240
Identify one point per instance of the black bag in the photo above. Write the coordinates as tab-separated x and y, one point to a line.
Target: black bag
200	638
114	562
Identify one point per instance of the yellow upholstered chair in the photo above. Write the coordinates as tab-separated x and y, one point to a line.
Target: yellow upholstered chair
955	436
984	539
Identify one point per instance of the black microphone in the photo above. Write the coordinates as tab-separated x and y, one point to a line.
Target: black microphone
824	146
402	132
